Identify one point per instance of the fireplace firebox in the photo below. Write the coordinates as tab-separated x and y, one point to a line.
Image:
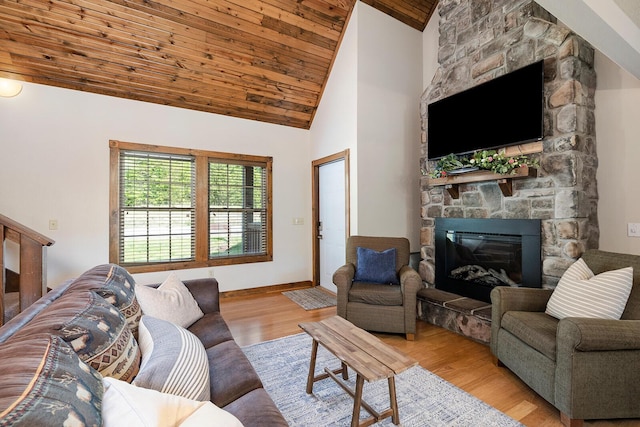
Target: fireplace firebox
475	255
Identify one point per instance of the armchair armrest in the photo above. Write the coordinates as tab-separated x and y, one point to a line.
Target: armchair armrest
507	298
410	282
584	334
343	278
595	358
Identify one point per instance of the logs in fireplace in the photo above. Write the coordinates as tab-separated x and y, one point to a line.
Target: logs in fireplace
474	255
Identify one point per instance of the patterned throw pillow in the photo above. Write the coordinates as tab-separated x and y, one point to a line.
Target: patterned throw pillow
114	284
581	294
173	360
95	329
46	384
171	301
376	267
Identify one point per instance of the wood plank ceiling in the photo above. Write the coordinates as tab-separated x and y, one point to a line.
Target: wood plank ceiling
265	60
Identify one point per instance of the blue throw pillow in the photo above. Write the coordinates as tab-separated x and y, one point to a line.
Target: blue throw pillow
376	267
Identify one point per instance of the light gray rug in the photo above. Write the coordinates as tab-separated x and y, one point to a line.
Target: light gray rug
424	399
311	298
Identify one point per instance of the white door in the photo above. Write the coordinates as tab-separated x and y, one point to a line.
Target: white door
332	218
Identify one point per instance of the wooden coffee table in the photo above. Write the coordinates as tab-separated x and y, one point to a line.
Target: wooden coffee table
368	356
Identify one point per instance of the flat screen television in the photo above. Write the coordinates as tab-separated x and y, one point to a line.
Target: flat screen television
507	110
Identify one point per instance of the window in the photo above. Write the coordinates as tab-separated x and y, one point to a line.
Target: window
177	208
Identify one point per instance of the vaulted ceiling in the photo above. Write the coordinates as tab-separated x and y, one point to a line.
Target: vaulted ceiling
265	60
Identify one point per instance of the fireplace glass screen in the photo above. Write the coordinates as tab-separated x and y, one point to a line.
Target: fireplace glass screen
484	259
474	255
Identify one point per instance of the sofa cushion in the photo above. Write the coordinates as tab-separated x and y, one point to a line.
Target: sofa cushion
44	383
581	294
211	330
171	301
173	360
256	408
95	329
125	404
230	372
373	293
536	329
116	286
376	267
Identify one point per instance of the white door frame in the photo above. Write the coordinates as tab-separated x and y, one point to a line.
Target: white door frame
315	182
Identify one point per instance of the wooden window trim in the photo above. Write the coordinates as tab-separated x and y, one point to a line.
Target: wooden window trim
202	188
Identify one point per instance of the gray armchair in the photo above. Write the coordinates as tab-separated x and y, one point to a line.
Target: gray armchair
587	368
374	306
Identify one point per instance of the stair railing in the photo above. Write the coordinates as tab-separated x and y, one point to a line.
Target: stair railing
32	282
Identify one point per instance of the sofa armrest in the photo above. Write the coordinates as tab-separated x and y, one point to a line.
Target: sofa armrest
206	293
584	334
343	278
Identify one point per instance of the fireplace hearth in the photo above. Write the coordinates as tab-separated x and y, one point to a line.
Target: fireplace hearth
472	256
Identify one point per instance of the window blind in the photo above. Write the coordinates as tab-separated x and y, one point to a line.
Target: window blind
157	207
237	209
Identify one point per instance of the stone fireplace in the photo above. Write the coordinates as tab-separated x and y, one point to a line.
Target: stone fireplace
483	39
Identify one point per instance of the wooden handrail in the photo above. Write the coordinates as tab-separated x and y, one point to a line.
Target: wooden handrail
32	262
18	229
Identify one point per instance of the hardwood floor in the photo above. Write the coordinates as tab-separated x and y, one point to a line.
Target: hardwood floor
463	362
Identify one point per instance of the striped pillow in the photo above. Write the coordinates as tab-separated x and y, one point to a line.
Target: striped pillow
581	294
174	360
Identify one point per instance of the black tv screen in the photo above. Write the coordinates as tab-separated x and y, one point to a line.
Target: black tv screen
504	111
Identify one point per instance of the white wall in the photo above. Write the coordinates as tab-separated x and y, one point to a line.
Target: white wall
617	112
371	106
389	87
55	165
334	128
430	37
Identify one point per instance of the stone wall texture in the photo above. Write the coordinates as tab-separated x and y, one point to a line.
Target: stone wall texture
483	39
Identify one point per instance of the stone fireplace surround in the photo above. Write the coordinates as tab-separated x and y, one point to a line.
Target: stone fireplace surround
480	40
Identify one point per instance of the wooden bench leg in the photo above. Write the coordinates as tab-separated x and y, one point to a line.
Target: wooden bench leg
393	401
312	367
411	337
357	399
345	372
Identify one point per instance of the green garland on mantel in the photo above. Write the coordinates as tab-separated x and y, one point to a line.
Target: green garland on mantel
491	160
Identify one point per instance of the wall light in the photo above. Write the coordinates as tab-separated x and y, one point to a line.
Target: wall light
9	88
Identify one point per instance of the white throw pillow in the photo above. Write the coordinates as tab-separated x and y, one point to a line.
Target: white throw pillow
581	294
124	404
171	301
173	360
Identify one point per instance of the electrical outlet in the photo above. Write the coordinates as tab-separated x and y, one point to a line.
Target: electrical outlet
633	229
211	272
53	224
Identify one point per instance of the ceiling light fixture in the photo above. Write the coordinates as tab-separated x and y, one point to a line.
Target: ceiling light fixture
9	88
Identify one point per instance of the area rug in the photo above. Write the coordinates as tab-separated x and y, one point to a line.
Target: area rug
311	298
424	399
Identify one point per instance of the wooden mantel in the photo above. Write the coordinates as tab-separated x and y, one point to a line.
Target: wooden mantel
504	181
32	261
452	182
